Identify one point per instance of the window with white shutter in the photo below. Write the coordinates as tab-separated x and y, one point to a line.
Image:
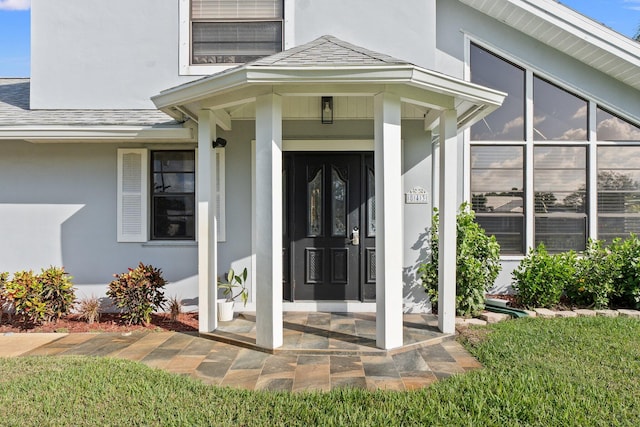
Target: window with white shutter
132	195
157	193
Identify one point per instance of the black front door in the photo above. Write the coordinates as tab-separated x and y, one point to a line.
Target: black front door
329	201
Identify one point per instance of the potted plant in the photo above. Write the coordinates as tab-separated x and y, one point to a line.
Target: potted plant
235	286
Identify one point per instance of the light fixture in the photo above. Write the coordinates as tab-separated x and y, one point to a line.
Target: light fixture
326	110
219	142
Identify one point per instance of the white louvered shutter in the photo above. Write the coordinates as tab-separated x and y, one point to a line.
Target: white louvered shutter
132	195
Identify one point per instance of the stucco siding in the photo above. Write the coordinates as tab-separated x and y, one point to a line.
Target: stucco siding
102	54
58	207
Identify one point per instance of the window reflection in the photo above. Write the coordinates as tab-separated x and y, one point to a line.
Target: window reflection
618	191
558	114
497	193
507	122
612	128
560	183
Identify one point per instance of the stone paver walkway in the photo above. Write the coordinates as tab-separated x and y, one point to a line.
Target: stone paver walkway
322	351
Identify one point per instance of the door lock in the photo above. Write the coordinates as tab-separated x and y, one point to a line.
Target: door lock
355	236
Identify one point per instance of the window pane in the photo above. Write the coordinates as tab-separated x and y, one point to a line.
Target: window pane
173	161
618	191
234	42
560	157
560	183
174	183
371	203
507	122
339	204
558	114
612	128
560	234
236	9
507	229
314	203
497	193
173	194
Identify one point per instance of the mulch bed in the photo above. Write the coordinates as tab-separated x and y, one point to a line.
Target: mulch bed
109	322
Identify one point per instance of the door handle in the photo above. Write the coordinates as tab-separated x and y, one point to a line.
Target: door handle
355	236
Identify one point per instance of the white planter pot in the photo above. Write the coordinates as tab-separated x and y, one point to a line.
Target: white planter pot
225	310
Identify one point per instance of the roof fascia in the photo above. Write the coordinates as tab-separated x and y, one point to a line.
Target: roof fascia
66	134
575	24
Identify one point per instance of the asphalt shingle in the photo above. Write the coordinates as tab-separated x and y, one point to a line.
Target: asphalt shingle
15	111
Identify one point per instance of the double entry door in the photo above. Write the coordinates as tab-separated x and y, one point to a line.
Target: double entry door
329	226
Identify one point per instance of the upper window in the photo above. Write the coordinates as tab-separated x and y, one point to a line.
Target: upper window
235	31
507	122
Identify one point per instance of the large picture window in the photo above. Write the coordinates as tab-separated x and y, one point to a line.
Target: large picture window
541	190
235	31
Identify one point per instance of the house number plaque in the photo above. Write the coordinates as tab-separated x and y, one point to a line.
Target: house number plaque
417	196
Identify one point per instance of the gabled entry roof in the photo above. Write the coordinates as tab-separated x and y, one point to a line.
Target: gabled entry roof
330	66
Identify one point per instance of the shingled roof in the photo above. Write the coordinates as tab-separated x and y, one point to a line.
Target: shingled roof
327	50
15	111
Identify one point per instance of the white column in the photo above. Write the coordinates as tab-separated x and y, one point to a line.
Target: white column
389	253
207	239
447	232
268	233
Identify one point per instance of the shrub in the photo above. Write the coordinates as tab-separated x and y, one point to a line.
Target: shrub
477	263
138	292
24	290
594	277
57	292
626	281
174	308
89	309
540	278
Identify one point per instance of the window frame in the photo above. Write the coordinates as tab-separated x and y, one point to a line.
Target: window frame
134	220
155	195
186	68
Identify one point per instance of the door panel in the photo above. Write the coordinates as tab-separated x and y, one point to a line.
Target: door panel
326	201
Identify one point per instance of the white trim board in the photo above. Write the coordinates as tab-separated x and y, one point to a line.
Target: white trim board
327	145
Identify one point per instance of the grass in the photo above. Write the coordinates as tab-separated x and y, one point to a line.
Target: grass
559	372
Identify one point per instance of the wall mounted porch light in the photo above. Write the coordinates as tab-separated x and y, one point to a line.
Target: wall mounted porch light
219	142
326	110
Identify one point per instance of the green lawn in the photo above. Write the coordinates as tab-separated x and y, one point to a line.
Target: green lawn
583	371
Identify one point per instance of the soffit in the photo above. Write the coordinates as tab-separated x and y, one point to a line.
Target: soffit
571	33
329	66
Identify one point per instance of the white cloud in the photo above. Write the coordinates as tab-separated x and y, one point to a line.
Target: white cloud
581	113
15	4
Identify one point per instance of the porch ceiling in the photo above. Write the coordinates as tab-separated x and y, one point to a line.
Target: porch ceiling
283	75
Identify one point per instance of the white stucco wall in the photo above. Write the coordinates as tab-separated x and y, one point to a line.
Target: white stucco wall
405	30
58	207
102	54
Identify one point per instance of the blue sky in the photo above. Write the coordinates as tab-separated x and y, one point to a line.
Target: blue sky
621	15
